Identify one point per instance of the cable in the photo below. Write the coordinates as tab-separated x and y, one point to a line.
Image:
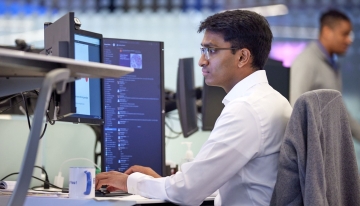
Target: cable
59	180
27	114
16	173
169	137
173	131
6	109
26	110
52	122
8	98
46	186
177	134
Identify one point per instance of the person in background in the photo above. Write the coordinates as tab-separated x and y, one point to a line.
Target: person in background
240	157
316	67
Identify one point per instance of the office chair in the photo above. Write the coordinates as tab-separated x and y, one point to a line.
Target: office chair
317	164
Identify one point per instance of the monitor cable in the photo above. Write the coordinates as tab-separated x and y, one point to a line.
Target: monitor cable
46	182
26	112
28	116
177	134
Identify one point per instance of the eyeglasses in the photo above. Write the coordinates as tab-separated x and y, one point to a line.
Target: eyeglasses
211	50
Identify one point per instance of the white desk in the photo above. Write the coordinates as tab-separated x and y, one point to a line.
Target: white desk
21	71
53	201
101	201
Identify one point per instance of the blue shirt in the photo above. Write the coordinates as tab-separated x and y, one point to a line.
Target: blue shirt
331	59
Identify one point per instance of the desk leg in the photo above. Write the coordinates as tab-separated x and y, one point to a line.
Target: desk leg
58	78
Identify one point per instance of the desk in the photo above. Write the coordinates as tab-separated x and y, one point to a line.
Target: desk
20	71
101	201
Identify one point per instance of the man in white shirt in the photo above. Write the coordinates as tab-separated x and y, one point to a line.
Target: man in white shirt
240	158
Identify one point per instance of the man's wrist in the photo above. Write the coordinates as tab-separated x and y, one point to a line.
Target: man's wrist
125	185
132	182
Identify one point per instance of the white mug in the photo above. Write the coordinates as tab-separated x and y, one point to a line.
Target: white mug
82	182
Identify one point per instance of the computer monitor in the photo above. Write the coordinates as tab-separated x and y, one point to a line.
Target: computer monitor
82	100
186	97
134	106
211	105
278	76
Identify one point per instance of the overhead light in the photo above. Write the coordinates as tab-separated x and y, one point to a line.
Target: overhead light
295	32
5	116
270	10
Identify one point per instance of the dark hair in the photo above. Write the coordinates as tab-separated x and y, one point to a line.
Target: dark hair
332	17
243	29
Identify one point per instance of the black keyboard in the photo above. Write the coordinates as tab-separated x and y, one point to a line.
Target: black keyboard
104	193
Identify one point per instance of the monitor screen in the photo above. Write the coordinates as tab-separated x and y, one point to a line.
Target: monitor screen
211	105
82	100
186	97
87	90
134	106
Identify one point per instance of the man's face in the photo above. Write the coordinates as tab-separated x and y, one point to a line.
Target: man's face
340	37
220	68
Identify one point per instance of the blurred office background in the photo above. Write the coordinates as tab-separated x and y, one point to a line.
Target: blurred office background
294	23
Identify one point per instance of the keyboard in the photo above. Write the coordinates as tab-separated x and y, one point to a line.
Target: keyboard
105	193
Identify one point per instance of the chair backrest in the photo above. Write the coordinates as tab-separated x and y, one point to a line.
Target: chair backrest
317	163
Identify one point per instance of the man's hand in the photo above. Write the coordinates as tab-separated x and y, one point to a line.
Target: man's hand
114	180
141	169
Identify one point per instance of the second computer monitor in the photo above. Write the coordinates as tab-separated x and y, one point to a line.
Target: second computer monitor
211	105
134	106
186	97
82	100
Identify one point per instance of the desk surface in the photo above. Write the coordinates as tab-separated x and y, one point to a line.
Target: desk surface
103	201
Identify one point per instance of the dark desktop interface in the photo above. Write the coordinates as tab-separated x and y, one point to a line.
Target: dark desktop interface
87	90
133	106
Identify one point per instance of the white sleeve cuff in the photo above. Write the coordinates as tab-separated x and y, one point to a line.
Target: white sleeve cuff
132	182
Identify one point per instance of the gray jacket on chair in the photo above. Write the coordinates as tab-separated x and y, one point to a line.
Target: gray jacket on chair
317	164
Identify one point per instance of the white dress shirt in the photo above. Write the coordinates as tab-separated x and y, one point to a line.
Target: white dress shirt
240	158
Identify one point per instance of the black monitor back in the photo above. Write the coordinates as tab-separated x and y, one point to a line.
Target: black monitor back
278	76
186	97
211	105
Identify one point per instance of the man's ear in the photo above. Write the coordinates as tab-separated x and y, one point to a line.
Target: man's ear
244	57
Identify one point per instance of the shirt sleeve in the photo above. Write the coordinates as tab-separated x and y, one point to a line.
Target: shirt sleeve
234	141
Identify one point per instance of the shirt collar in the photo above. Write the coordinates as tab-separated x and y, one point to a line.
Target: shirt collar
241	87
331	59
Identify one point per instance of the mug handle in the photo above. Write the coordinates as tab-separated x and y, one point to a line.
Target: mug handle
88	184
